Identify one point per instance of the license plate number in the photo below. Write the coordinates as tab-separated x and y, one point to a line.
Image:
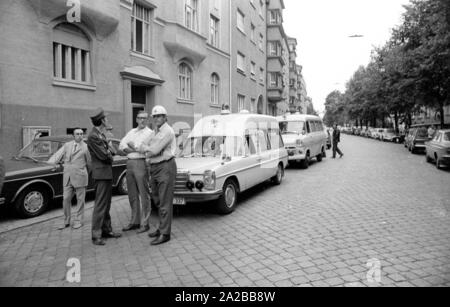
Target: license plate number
179	201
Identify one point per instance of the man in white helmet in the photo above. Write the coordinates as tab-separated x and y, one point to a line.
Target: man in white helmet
160	153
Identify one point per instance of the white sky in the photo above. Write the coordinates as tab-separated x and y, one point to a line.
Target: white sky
328	56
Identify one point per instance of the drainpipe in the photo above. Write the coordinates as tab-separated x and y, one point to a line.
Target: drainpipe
231	55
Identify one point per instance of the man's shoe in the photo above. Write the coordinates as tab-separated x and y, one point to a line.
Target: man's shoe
98	242
342	156
161	240
131	227
62	227
143	229
111	235
154	234
77	225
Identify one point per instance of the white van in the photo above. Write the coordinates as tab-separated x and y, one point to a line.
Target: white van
228	154
304	138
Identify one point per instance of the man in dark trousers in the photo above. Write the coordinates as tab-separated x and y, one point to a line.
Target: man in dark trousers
336	141
160	152
2	172
102	159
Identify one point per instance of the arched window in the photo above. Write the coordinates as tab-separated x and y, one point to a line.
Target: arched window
71	54
215	89
185	81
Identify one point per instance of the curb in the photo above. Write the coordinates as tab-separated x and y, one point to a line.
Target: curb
49	216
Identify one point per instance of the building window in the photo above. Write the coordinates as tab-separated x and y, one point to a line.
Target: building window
185	82
261	8
141	29
274	48
275	80
241	21
241	102
191	15
253	70
261	42
275	17
71	54
215	89
253	105
214	32
252	33
241	62
261	75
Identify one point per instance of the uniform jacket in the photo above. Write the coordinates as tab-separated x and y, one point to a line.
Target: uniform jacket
76	164
336	136
101	155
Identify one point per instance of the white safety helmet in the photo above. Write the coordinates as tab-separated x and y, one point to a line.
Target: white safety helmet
159	110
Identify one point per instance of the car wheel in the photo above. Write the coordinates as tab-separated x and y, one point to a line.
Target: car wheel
413	150
305	163
32	202
428	158
278	178
227	202
122	187
321	156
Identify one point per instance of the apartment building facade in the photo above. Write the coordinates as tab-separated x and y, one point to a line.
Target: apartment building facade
277	60
58	63
248	72
60	60
294	102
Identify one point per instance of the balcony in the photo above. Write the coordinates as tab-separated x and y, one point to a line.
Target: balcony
275	94
101	16
183	43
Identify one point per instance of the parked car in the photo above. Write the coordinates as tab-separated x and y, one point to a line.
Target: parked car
418	139
31	182
304	137
438	149
228	154
409	136
365	132
390	135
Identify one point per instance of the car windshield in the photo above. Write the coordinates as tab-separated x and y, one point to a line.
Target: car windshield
446	137
296	127
213	146
39	151
422	132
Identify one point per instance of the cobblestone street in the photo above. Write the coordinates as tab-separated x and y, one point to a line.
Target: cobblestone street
319	228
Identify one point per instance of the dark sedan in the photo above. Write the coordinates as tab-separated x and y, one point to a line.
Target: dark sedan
438	149
31	182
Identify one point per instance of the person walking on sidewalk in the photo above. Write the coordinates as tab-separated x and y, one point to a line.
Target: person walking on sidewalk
137	175
160	152
76	158
102	159
336	141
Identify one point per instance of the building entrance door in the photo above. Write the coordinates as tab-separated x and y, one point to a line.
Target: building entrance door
140	100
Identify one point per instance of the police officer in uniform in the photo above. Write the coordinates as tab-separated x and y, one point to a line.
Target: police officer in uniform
160	153
102	158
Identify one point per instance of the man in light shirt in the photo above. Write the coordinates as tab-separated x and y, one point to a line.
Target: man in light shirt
160	151
137	175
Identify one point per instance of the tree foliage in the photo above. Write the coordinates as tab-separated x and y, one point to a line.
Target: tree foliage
412	70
